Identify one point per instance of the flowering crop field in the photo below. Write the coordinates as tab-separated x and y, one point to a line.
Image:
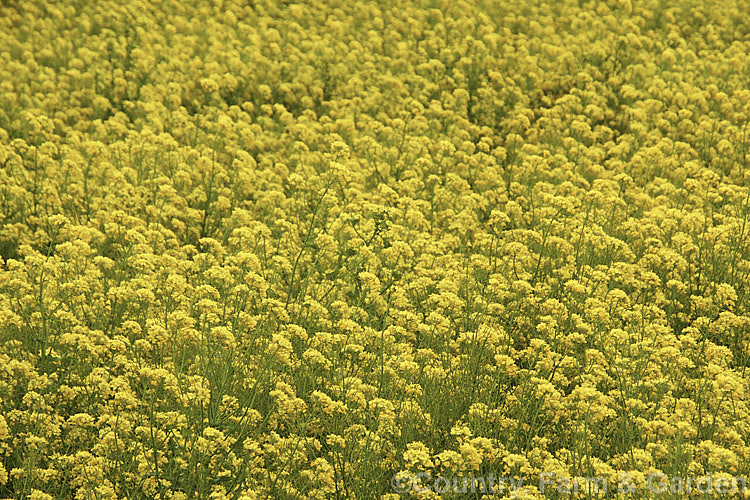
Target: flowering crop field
336	250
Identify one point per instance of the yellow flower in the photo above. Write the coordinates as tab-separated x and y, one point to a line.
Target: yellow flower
417	456
39	495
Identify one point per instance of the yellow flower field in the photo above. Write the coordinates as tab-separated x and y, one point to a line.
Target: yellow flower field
259	249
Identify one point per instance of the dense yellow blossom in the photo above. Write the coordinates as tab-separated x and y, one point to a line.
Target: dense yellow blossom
325	249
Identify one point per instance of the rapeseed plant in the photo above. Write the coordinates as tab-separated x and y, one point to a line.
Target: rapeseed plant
278	250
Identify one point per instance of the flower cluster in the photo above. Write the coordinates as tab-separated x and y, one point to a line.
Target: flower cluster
287	250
